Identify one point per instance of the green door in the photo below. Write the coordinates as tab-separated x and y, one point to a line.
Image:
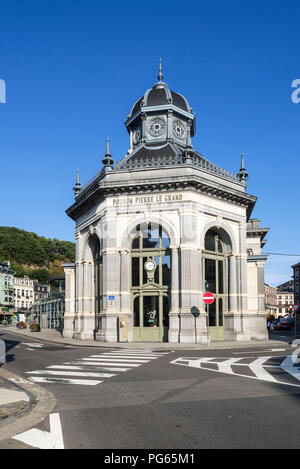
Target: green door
151	316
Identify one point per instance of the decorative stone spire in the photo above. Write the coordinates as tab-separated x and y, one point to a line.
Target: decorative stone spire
160	76
242	175
77	187
107	160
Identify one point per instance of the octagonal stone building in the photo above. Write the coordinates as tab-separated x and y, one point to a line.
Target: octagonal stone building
158	229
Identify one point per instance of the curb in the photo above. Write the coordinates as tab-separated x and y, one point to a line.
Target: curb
155	345
40	405
19	413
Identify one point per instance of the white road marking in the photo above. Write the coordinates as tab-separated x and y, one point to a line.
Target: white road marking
71	373
99	367
79	367
84	382
261	351
55	429
44	440
131	357
35	344
225	366
257	367
20	381
119	359
144	354
288	366
111	363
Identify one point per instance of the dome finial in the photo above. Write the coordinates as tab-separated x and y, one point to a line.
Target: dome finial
77	187
107	147
160	75
107	160
242	175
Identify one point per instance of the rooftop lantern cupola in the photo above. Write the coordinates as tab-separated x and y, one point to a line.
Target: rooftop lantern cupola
159	117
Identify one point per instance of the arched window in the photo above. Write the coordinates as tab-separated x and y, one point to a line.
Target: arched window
150	282
94	244
214	276
151	242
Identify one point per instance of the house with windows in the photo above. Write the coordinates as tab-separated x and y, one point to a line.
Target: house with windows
296	283
158	229
6	291
23	293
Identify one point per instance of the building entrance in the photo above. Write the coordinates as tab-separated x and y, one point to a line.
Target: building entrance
151	317
150	283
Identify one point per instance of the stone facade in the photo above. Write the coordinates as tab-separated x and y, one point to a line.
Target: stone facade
166	190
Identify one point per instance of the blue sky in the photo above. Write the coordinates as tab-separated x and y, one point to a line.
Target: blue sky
73	69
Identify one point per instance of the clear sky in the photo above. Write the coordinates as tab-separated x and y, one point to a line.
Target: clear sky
73	70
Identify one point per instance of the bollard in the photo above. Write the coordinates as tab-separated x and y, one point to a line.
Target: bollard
2	352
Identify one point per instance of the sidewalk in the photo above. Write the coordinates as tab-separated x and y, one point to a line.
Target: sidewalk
51	335
14	400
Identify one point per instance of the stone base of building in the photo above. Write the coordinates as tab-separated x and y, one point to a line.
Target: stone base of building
239	327
184	328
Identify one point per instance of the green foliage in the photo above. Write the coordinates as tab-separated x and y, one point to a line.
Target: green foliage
36	256
21	325
34	327
42	275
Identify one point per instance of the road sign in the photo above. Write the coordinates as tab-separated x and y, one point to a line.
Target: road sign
208	298
111	298
296	307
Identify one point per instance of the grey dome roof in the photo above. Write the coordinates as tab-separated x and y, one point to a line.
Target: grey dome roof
161	95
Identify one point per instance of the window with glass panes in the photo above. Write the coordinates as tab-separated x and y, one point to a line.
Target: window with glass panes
214	277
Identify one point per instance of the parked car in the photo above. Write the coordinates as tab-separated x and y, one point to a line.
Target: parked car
285	323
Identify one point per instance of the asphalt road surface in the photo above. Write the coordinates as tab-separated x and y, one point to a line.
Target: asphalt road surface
187	399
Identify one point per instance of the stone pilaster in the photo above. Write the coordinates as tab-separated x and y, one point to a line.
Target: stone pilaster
109	329
69	315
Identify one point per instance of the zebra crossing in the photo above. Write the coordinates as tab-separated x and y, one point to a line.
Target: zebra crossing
90	371
30	346
275	369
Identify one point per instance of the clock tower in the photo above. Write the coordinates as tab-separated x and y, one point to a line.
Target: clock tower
160	117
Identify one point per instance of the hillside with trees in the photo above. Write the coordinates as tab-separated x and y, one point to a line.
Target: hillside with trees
29	254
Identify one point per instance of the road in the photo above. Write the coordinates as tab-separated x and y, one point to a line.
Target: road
187	399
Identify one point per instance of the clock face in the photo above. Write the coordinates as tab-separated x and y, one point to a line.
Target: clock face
137	136
178	130
156	127
150	266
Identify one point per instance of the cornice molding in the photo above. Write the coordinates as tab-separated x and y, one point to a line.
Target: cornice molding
99	192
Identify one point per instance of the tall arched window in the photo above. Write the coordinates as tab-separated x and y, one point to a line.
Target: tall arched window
214	279
150	242
94	244
150	281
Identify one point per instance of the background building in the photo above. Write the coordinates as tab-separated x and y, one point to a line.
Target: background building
285	302
296	279
6	291
49	306
271	300
41	292
287	286
23	293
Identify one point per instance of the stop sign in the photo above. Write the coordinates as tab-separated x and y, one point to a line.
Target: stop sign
208	298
